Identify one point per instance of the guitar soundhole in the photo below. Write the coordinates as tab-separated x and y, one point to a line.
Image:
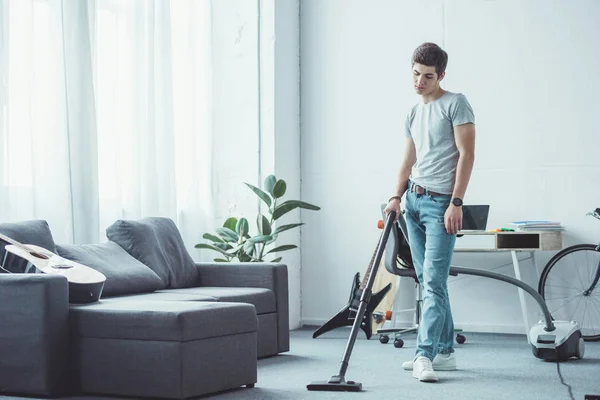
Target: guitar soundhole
62	266
39	255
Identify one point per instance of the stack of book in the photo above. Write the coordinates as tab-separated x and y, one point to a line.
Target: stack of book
525	226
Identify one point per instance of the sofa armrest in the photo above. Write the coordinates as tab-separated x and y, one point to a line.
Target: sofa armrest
34	311
258	275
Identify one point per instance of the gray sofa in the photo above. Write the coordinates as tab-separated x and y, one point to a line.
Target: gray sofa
165	326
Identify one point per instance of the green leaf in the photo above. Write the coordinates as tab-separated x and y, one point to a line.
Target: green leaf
290	205
242	227
212	237
243	257
279	189
249	247
264	196
282	248
276	260
264	227
260	239
220	260
274	238
270	183
211	247
230	223
282	228
227	234
223	246
237	248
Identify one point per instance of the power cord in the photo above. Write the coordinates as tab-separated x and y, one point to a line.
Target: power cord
563	381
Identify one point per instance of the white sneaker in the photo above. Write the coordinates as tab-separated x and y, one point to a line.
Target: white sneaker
423	370
441	362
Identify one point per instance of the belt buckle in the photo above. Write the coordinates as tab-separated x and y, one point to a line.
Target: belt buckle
419	189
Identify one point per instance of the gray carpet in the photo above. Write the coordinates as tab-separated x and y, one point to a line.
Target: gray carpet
490	366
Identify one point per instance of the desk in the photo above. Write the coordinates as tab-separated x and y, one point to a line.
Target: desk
515	242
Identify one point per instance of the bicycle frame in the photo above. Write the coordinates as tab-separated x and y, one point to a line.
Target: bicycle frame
596	215
596	277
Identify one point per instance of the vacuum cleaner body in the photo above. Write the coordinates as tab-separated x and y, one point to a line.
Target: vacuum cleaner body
561	344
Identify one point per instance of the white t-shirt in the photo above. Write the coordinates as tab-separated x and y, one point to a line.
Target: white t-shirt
431	126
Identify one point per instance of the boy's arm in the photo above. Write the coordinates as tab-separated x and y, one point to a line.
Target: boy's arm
465	142
408	160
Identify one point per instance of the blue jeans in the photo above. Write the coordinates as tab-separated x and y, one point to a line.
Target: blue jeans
431	248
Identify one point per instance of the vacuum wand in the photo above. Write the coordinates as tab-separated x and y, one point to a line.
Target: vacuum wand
338	383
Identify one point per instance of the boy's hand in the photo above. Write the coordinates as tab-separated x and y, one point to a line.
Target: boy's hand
453	219
393	205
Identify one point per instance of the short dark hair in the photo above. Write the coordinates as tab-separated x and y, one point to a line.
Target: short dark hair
431	55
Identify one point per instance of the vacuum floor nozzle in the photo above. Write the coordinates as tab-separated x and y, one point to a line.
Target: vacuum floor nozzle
335	385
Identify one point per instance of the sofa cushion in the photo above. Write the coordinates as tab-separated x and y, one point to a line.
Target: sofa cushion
157	243
262	299
158	296
36	232
178	321
124	274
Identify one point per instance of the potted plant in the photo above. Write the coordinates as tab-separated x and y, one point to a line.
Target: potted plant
233	240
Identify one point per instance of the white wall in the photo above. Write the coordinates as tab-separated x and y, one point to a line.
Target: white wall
256	116
235	108
280	123
529	69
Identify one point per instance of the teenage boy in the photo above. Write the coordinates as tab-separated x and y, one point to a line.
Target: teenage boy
435	171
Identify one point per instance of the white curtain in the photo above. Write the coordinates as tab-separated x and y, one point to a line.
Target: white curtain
34	122
105	113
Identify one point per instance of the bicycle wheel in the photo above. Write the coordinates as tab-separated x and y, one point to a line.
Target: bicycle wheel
569	285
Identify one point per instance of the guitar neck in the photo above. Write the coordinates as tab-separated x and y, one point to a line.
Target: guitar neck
15	243
366	277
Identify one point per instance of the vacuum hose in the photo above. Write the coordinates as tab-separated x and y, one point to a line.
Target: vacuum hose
487	274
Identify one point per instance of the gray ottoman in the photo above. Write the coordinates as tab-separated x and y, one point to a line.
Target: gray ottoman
171	349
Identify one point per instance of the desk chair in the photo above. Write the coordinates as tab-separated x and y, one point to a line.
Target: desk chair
398	261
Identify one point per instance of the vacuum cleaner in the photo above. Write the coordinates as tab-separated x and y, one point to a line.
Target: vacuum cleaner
550	340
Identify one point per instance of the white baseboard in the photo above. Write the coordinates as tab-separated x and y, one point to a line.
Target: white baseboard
313	321
488	328
467	327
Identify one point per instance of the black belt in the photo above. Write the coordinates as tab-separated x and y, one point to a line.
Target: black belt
421	190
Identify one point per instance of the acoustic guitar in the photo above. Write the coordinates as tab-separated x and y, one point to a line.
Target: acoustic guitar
85	283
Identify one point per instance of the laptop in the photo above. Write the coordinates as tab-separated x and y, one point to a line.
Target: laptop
475	217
